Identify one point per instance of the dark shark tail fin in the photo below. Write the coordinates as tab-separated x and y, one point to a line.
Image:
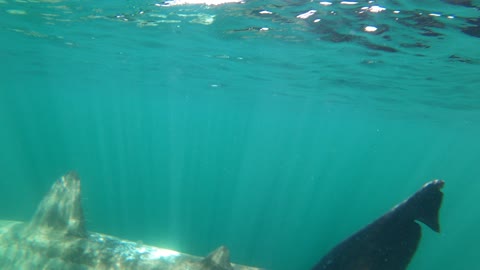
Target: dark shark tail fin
61	209
425	204
389	242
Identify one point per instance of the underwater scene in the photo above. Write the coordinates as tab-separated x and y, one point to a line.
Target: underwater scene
275	129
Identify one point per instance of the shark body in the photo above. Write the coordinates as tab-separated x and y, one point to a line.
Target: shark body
56	238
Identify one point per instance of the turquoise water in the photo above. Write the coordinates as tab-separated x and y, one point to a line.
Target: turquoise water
192	127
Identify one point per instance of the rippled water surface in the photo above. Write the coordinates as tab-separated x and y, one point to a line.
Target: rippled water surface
276	128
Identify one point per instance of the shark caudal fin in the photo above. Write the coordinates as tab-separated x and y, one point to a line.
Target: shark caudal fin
389	242
425	204
61	209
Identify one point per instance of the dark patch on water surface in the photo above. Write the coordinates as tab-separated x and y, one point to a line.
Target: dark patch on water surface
336	37
464	3
430	33
378	47
247	29
422	21
339	37
474	29
461	59
414	45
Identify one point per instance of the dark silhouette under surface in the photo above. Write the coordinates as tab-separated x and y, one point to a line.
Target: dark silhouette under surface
389	242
